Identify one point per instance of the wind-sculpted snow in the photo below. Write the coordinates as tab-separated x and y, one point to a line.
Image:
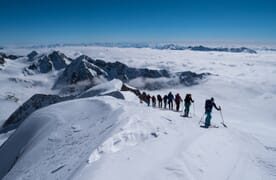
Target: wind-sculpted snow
47	62
111	88
52	135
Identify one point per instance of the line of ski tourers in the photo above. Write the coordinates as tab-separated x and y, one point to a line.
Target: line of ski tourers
168	100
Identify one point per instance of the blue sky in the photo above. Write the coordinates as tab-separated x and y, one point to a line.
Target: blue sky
83	21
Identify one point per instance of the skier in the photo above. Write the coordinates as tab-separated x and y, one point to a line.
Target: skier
188	100
178	100
159	98
144	96
153	98
170	100
165	98
148	99
209	104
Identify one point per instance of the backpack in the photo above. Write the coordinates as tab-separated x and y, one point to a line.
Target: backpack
159	97
153	99
177	98
187	99
208	105
170	97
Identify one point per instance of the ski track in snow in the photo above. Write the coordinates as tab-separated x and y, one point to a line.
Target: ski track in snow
132	141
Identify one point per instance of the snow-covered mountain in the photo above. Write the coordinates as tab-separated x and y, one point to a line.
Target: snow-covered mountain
47	62
233	50
81	69
204	48
88	72
105	127
32	55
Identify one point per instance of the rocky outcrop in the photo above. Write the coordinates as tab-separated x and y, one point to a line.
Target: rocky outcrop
126	87
47	62
2	60
189	78
81	69
121	71
171	47
31	56
10	56
186	78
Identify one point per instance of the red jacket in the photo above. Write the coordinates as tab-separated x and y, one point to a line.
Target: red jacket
178	98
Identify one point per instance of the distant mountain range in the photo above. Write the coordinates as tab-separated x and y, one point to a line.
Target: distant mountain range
204	48
86	72
161	46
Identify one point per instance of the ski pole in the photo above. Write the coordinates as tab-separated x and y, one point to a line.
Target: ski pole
222	119
201	118
183	109
194	108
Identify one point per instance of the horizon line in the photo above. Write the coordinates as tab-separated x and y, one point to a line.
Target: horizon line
149	43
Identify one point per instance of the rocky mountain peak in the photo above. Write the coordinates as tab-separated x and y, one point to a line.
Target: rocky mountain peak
47	62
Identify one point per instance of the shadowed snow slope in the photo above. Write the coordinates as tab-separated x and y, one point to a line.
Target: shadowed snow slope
58	139
37	101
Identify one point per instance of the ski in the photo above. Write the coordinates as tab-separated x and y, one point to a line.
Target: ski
212	126
224	125
186	116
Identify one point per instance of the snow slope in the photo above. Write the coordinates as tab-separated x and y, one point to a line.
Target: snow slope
149	143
